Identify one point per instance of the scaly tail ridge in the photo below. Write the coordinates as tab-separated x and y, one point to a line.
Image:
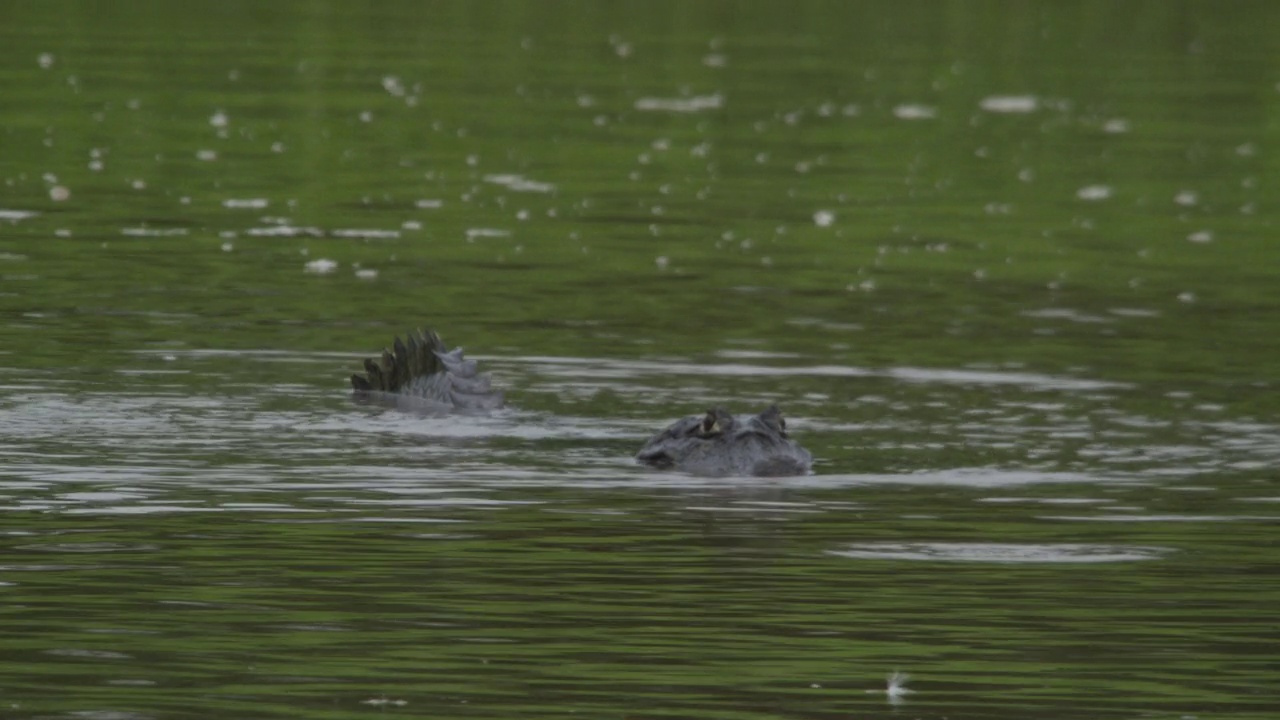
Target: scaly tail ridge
422	367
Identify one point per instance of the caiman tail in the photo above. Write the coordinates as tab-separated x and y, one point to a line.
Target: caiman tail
424	369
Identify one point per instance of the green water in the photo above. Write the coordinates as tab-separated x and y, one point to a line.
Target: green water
1009	268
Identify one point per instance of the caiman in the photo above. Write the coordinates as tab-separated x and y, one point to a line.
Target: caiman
422	373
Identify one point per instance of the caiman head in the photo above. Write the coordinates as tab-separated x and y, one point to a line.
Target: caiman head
718	443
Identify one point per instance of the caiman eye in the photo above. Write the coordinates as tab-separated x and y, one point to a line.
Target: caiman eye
709	426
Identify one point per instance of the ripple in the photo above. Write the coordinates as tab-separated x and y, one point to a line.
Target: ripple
94	547
138	510
85	653
1126	518
1064	314
979	478
602	368
1001	552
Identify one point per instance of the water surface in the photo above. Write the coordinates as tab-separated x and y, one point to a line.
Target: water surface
1008	268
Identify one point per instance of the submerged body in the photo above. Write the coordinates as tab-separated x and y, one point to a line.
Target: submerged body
423	375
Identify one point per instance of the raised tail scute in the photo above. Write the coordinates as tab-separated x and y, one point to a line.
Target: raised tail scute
422	367
400	365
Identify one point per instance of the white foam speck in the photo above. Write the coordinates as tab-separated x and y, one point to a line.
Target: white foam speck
824	218
364	234
320	266
519	183
284	231
473	233
245	203
1009	103
153	232
1095	192
1116	126
696	103
913	111
392	85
